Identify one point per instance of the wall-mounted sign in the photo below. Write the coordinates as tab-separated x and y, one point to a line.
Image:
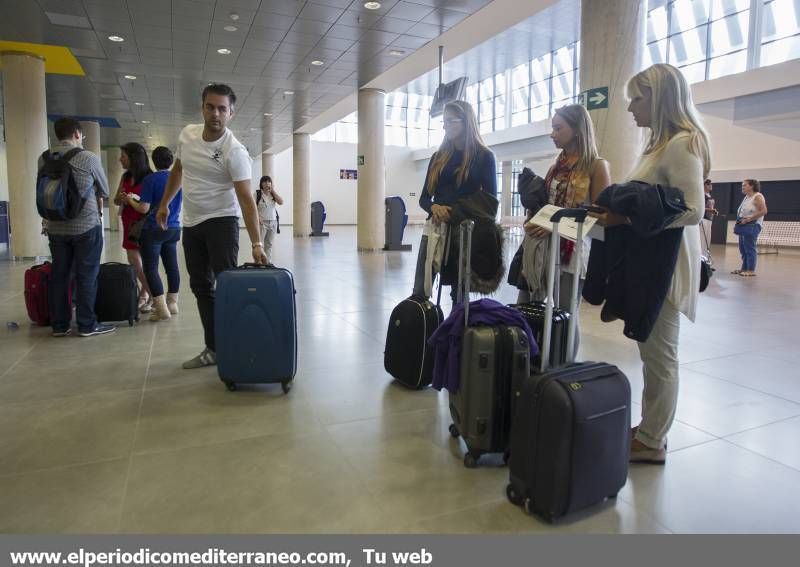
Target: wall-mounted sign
348	174
360	160
594	99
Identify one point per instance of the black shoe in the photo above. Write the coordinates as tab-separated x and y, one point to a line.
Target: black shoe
99	329
63	333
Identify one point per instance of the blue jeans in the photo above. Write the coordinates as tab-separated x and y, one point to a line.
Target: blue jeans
748	236
82	250
157	243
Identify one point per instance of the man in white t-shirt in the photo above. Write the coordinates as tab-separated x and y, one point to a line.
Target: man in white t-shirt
214	169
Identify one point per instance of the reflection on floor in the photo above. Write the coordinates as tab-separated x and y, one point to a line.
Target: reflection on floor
109	434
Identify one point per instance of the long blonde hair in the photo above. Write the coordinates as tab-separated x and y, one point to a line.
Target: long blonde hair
671	110
473	144
578	119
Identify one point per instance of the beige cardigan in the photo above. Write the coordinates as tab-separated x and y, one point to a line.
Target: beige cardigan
677	167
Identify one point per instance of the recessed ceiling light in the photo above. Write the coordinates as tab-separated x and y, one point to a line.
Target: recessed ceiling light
224	51
145	122
372	5
131	77
318	63
288	92
396	52
267	114
116	38
233	16
139	103
230	28
149	137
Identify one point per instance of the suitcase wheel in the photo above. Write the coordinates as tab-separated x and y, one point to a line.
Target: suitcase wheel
512	495
454	430
130	322
231	386
470	461
506	457
528	505
286	386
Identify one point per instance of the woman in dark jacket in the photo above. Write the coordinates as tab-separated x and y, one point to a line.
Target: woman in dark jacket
461	166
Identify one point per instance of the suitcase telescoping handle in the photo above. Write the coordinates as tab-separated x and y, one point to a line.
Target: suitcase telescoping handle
555	249
465	265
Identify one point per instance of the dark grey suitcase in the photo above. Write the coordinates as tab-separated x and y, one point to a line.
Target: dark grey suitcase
571	437
493	358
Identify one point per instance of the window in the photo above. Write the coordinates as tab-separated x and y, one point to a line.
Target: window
500	101
780	31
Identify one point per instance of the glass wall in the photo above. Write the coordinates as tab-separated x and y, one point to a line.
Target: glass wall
706	39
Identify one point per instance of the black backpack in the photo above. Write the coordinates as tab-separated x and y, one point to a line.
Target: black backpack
58	197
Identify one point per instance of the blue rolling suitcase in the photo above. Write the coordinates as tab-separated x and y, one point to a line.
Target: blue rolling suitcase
256	326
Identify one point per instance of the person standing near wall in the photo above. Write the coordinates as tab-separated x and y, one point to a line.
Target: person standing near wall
749	221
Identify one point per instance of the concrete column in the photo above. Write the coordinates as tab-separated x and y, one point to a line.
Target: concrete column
505	204
114	174
91	142
371	210
25	112
301	201
268	166
612	43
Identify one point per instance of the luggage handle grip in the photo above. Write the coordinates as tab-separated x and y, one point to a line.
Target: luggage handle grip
465	266
253	265
577	214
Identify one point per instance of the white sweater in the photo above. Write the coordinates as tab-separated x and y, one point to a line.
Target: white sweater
678	167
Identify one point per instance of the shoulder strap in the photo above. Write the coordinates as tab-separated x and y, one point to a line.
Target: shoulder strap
70	154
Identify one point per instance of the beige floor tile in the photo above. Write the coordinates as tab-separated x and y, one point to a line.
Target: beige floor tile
42	435
83	499
717	487
204	413
777	441
279	483
35	380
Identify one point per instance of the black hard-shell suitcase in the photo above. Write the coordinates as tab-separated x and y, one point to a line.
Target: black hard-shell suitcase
117	293
493	359
407	356
570	441
255	326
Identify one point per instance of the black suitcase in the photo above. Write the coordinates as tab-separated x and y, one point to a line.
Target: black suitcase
117	294
493	359
570	441
407	356
534	313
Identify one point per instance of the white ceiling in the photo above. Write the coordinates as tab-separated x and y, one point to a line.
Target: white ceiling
171	47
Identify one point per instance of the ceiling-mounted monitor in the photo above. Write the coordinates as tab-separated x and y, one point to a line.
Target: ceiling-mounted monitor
453	90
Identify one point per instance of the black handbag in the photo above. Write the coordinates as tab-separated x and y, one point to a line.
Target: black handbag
135	232
706	263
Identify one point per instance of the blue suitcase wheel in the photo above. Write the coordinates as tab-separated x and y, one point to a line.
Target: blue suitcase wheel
286	386
231	386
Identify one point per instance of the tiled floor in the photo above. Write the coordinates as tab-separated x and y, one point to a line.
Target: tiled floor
109	434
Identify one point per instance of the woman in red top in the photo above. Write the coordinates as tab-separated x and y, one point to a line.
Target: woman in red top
133	159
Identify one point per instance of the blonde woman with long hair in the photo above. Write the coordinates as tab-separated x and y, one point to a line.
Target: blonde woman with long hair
676	154
576	178
462	165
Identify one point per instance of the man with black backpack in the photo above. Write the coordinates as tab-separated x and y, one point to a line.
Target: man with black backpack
69	194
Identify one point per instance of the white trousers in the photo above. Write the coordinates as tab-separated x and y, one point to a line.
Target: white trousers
660	370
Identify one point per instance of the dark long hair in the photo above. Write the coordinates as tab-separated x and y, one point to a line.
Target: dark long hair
139	166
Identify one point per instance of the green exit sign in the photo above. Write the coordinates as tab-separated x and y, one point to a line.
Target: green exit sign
596	98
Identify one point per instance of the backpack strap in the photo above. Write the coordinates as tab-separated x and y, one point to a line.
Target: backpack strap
70	154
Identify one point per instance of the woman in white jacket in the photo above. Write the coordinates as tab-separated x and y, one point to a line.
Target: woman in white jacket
676	155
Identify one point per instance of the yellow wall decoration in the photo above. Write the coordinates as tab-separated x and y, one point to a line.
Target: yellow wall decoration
57	59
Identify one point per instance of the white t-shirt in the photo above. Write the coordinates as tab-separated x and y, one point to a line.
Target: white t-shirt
209	171
266	207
